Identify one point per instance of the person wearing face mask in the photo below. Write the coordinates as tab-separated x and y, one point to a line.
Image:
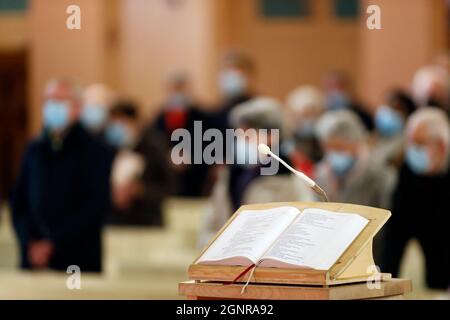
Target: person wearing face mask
235	87
305	105
122	130
179	111
241	182
347	171
339	97
61	195
234	82
390	119
141	176
420	202
97	100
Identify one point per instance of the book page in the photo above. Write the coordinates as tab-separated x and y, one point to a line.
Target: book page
250	234
316	239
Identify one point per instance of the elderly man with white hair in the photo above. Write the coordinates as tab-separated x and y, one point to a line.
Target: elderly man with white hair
242	183
305	105
421	204
347	171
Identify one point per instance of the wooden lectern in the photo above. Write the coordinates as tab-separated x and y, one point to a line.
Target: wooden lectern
345	279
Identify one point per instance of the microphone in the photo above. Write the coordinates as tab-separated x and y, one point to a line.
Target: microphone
264	149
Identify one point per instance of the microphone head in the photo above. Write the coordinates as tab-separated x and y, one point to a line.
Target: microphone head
264	149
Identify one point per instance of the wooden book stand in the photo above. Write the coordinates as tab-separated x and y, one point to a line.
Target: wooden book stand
353	266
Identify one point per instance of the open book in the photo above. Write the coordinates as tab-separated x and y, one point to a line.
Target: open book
285	237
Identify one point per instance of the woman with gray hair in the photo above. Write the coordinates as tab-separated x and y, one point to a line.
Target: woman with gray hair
243	181
420	203
347	172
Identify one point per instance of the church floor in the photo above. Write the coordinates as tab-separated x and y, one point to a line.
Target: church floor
144	263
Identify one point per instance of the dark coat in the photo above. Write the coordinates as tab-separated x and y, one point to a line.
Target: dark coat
363	115
220	120
241	177
421	210
62	194
191	181
157	180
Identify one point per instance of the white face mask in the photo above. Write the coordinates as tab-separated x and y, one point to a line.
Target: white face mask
232	83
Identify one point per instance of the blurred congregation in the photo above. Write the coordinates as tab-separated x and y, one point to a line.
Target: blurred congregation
98	157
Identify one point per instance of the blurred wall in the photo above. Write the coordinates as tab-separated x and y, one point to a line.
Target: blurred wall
133	44
13	31
293	51
14	37
160	37
130	44
58	51
413	32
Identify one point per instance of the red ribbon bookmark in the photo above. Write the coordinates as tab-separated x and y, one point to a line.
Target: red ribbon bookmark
240	275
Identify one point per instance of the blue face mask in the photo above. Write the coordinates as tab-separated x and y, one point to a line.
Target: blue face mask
418	159
93	117
117	135
388	121
340	162
232	83
337	101
56	115
178	100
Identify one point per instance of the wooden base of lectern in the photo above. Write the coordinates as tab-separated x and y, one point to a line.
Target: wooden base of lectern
389	289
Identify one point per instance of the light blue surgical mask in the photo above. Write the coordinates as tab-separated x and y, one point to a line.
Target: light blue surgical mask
418	159
232	83
288	146
178	100
56	115
94	117
117	135
337	100
340	162
388	121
